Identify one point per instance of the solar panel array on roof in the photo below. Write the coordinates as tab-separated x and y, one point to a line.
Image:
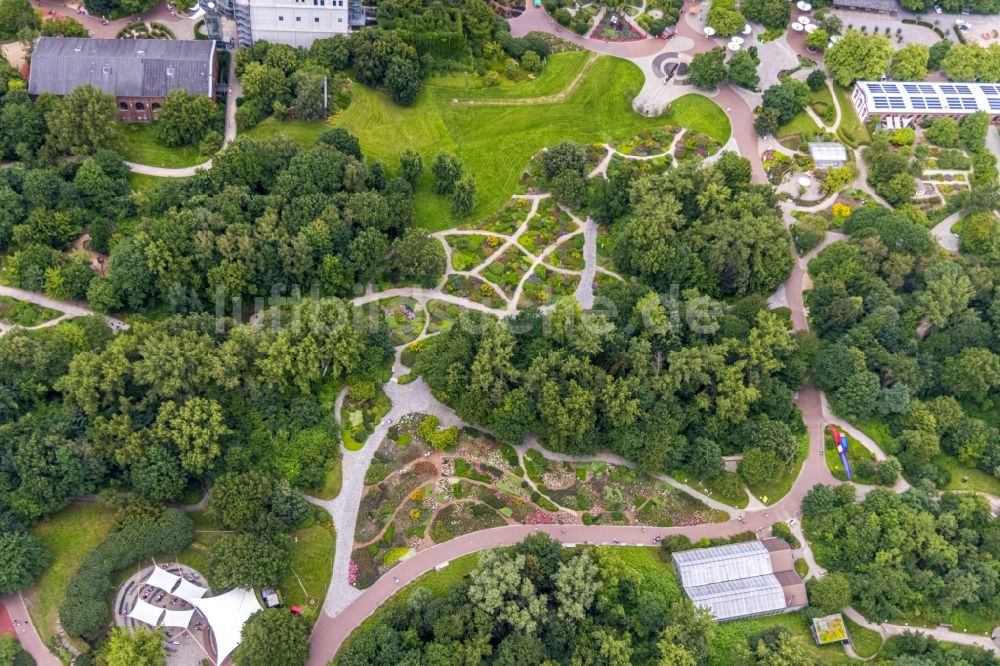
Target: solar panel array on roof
930	98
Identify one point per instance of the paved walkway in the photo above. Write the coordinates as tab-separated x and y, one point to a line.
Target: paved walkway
26	633
942	230
536	19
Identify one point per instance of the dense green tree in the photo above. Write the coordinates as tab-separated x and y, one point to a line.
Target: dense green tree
772	13
818	39
126	647
24	557
463	196
788	98
563	157
16	15
742	70
416	258
447	170
910	63
84	122
184	119
831	593
331	52
858	56
964	62
411	165
403	80
707	70
273	636
758	466
249	560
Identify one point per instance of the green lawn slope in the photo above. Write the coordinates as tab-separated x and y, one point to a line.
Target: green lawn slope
495	139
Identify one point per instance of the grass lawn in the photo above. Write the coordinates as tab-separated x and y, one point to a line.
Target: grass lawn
299	131
714	489
799	124
495	142
779	486
306	582
976	479
22	313
139	182
867	643
69	535
559	72
139	145
334	480
852	129
878	430
730	634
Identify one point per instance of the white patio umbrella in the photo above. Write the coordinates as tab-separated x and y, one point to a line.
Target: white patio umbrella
737	40
709	30
804	181
733	46
797	27
747	29
811	28
804	20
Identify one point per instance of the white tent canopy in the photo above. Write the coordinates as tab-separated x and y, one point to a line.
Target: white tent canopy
146	612
179	619
226	615
162	579
188	591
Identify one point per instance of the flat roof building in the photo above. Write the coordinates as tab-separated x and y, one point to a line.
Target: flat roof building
741	579
902	103
137	72
877	6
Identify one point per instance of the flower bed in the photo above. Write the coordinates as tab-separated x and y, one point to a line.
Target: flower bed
475	290
506	270
695	144
568	255
443	315
545	227
545	286
506	220
462	518
467	252
615	28
648	142
405	318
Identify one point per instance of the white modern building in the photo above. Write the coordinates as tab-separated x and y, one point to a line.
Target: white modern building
292	22
902	103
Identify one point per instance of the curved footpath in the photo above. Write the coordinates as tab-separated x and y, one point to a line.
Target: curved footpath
68	309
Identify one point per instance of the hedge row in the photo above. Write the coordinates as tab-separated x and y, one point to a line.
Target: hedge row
84	610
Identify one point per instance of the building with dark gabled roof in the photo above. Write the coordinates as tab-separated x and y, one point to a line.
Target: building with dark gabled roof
138	72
